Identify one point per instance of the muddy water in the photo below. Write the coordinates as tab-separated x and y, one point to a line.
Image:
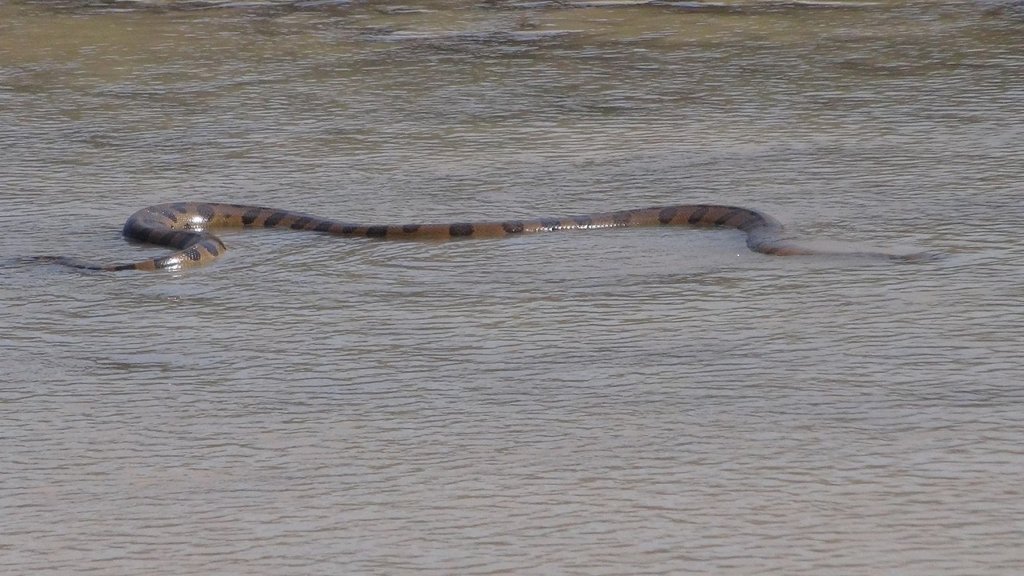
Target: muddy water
611	402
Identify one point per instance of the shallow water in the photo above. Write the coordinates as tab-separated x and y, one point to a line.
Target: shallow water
647	401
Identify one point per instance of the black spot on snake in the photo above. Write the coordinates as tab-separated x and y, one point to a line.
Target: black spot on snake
274	219
460	230
697	216
667	214
171	214
205	211
512	226
376	231
550	223
301	223
723	219
250	216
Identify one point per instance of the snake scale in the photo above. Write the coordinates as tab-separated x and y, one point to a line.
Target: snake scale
187	227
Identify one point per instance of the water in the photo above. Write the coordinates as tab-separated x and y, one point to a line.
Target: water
615	402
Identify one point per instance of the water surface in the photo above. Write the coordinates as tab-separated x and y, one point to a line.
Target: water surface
612	402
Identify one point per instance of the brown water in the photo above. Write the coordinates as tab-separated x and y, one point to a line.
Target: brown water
614	402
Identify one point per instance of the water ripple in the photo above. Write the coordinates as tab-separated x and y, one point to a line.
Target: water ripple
612	402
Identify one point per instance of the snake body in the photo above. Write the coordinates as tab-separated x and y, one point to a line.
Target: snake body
187	226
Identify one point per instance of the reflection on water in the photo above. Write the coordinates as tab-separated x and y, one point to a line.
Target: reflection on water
614	402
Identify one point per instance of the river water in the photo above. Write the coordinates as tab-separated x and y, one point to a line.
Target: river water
641	401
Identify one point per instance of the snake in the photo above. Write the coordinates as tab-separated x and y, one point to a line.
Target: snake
187	227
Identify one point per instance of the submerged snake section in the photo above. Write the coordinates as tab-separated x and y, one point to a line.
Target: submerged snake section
187	227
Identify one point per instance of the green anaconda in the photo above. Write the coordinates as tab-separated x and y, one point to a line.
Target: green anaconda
187	227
